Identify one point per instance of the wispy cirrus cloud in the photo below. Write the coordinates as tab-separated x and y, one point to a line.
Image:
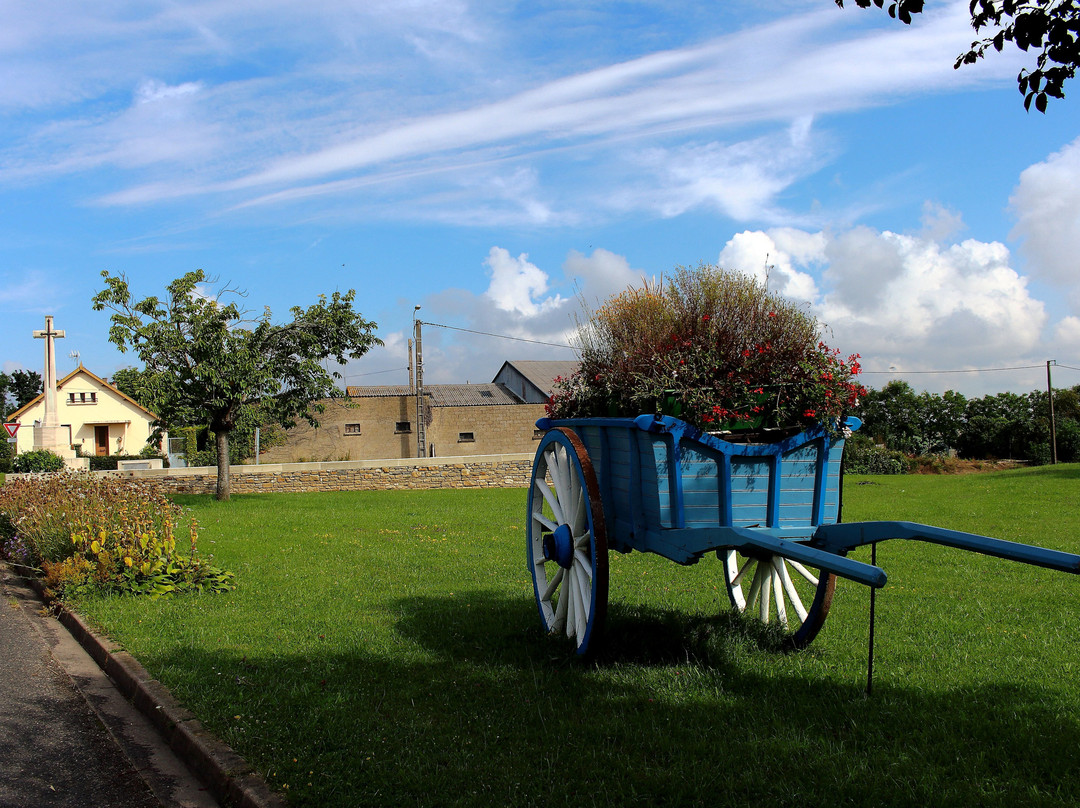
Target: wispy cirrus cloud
359	118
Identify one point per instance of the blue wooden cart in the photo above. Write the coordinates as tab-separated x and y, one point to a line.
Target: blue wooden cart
771	513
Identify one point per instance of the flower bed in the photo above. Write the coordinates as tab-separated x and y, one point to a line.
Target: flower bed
101	534
712	347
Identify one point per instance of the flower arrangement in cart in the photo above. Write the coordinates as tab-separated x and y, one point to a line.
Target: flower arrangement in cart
713	347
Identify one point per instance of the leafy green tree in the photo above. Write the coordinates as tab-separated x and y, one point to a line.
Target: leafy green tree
135	384
25	386
891	416
1049	27
941	420
205	362
1000	425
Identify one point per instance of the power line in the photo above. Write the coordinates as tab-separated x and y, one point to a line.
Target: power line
501	336
965	370
374	373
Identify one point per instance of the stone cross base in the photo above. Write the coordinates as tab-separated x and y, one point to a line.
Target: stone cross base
55	439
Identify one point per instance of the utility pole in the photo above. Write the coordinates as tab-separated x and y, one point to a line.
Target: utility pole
421	438
1053	429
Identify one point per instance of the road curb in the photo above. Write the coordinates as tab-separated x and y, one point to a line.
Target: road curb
227	775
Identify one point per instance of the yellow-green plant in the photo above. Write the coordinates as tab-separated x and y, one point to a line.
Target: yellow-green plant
105	533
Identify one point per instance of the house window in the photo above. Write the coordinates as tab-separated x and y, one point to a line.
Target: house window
466	437
486	394
82	398
537	434
352	429
403	426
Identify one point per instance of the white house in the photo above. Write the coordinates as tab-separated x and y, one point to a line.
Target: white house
95	414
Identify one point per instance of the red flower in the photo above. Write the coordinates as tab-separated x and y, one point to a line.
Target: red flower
809	413
706	317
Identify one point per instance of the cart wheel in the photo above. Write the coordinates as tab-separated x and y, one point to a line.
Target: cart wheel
566	539
777	588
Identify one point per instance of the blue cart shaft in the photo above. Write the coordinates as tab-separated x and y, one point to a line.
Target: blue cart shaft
840	538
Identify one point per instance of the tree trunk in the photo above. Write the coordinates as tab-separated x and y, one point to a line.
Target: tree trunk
221	440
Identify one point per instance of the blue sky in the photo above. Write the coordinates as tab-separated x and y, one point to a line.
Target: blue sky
497	162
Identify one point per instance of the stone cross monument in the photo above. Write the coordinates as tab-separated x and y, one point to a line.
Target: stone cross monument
48	434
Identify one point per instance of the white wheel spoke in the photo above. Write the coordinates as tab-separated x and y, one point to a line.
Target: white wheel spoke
742	572
586	565
803	571
569	594
580	522
560	471
755	586
778	595
792	592
581	611
553	584
550	525
766	573
549	497
560	611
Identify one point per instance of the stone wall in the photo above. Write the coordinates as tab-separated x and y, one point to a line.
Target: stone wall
492	471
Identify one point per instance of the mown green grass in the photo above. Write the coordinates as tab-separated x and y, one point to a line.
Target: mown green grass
384	649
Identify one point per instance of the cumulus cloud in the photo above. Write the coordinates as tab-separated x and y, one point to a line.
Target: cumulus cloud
903	301
601	274
535	307
1047	206
775	257
516	283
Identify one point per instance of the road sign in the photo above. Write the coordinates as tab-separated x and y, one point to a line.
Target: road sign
11	430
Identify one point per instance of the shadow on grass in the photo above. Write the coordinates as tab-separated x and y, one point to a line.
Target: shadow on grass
633	634
679	710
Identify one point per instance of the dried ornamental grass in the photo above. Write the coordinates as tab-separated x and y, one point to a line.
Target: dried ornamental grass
712	347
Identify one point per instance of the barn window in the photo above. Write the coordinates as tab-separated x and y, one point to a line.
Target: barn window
465	437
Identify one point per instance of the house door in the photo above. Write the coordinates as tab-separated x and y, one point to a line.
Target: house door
101	440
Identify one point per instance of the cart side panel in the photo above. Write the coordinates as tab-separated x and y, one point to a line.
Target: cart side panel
803	493
635	496
810	484
704	501
750	491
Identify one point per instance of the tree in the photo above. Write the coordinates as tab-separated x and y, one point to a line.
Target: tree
1052	27
206	362
134	384
25	386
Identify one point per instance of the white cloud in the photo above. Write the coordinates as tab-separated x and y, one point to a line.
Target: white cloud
600	275
762	255
741	180
344	100
515	283
907	302
1047	206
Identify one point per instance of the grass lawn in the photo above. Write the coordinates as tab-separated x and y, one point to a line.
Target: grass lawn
384	649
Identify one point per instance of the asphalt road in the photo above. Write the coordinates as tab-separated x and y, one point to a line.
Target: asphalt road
67	737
